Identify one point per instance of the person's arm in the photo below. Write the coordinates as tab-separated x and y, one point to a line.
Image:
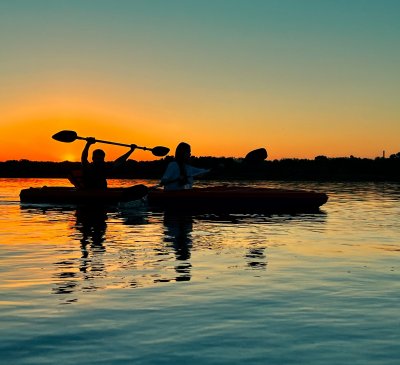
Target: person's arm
85	152
120	160
196	171
171	174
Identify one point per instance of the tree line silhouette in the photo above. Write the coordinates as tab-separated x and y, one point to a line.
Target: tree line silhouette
321	168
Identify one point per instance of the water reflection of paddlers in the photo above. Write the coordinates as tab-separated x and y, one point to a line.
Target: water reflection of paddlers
91	223
177	234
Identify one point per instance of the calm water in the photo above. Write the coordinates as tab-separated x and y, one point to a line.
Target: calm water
139	287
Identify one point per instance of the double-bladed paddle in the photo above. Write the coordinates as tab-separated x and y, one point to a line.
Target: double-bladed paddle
253	157
71	136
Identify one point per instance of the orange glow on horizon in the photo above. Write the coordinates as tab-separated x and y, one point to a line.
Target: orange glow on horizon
32	140
27	127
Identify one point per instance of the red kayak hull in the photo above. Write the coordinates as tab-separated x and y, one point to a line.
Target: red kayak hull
237	199
222	198
66	195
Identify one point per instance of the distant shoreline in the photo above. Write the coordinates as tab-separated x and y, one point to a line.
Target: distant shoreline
319	169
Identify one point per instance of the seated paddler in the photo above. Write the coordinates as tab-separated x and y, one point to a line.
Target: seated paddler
179	174
94	174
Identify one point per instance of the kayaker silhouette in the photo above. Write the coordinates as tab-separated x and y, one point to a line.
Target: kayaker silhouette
179	174
94	175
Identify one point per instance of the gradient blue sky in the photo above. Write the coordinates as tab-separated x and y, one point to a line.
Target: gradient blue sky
301	78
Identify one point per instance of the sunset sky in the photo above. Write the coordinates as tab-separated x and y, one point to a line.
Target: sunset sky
299	77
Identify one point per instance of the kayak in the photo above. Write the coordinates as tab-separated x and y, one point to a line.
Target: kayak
218	198
237	199
67	195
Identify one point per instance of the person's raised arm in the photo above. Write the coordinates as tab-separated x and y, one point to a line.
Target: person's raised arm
85	152
120	160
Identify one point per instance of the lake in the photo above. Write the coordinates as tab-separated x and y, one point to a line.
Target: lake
135	286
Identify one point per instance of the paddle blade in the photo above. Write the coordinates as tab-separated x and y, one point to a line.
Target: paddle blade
160	151
257	155
65	136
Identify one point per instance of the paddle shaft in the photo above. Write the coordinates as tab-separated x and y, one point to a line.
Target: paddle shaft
258	155
115	143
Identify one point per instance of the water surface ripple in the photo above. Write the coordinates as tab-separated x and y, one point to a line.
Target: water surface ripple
140	287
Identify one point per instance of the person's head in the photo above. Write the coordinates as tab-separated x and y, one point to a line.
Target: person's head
182	152
98	156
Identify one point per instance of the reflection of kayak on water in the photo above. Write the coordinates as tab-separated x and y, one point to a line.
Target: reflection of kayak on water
221	198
